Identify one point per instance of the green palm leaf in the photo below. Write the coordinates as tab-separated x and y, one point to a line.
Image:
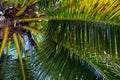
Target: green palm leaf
93	10
82	37
48	65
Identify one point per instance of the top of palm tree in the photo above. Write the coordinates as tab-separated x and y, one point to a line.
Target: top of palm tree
78	33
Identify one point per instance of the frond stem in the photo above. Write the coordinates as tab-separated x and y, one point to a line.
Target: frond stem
23	3
49	18
32	29
22	43
31	2
16	3
6	29
19	55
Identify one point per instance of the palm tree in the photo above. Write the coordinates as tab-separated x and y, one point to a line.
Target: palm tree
69	39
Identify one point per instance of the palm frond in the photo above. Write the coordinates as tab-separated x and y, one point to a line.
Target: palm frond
94	10
12	70
83	36
47	65
96	42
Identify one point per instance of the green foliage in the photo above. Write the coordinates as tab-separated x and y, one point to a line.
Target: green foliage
85	38
81	42
93	10
96	42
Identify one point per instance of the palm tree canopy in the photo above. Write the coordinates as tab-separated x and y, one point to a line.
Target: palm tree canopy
80	41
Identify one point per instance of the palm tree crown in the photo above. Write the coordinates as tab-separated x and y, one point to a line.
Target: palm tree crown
60	40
